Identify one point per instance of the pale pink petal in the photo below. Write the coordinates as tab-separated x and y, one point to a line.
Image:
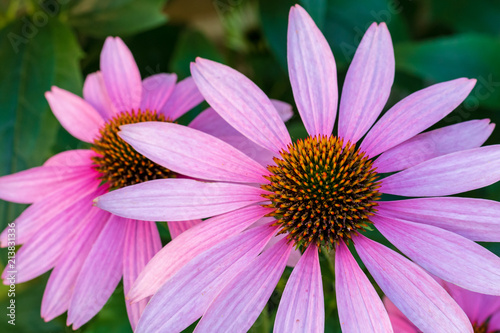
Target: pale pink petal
177	228
62	281
284	109
302	308
412	290
192	153
77	116
178	199
295	255
191	243
121	75
360	308
184	97
445	254
367	84
156	90
142	242
94	92
313	73
416	113
100	274
399	322
442	141
187	295
71	158
241	301
476	219
449	174
241	103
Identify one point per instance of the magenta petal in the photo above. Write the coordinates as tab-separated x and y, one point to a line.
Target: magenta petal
313	73
192	153
442	141
284	109
94	92
302	308
184	97
241	103
100	274
476	219
71	158
398	320
295	255
444	254
241	301
187	295
360	308
156	90
412	290
189	244
142	242
121	75
449	174
368	83
177	228
415	113
77	116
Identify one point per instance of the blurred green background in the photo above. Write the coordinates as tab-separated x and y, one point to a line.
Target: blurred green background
58	42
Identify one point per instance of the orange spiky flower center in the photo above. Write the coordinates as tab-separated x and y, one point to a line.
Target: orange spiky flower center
483	328
117	162
322	191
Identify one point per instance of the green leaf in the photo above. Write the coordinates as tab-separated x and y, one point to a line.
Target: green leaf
101	18
447	58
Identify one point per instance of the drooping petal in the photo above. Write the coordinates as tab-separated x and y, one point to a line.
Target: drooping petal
412	290
156	90
284	109
398	320
72	158
313	73
189	244
445	254
449	174
442	141
360	308
121	75
241	301
95	93
177	228
302	308
184	97
187	295
77	116
415	113
241	103
476	219
100	274
142	242
367	84
192	153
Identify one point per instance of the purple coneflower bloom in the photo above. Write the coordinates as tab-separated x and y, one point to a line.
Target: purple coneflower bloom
320	192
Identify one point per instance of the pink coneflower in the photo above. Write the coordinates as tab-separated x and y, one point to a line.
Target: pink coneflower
320	192
483	311
89	249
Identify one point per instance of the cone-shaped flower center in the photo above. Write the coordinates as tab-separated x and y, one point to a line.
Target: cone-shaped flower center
483	328
322	190
117	162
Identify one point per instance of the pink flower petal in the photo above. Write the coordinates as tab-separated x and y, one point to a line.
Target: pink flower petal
368	83
445	254
94	92
360	308
77	116
62	281
241	301
187	295
302	308
476	219
442	141
184	97
189	244
284	109
241	103
178	199
121	75
142	242
415	113
156	90
412	290
449	174
71	158
398	320
177	228
313	73
295	255
100	274
192	153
